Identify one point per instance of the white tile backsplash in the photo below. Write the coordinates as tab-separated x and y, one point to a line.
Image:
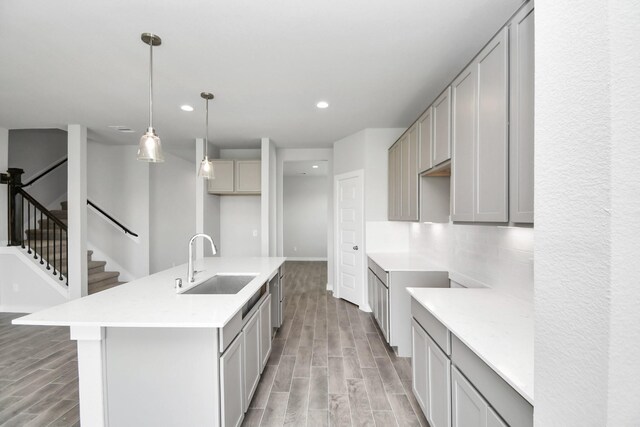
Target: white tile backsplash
501	257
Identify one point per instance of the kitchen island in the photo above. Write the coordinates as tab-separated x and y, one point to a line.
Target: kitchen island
150	356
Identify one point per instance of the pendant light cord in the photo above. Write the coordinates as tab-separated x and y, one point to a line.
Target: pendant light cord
151	84
206	135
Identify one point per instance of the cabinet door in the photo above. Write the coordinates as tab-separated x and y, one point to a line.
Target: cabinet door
425	136
412	175
252	358
391	192
265	332
493	420
232	384
370	292
383	305
491	176
405	153
223	181
398	180
521	89
439	384
442	127
469	409
463	95
419	366
274	291
248	176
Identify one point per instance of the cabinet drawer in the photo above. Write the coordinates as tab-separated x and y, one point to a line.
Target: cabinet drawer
438	332
511	406
378	271
230	330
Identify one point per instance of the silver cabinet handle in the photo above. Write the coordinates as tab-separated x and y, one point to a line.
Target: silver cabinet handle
355	248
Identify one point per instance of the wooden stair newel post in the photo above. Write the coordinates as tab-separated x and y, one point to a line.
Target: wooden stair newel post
14	181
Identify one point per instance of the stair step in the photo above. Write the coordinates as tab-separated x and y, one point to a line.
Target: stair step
103	284
64	205
96	266
60	214
48	224
46	234
103	276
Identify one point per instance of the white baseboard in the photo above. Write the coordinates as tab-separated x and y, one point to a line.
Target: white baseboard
330	286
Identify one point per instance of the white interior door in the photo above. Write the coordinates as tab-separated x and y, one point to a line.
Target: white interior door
349	194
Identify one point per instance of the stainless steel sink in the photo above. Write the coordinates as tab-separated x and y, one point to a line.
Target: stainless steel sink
222	284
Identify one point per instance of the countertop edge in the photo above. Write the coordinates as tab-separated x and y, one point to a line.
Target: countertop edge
501	374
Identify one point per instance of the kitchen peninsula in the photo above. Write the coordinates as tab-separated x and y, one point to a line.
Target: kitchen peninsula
148	355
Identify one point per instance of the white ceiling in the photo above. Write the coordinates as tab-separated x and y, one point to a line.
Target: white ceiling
305	167
378	63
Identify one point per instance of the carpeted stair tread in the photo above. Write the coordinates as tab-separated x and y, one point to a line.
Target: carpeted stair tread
60	214
103	275
96	266
46	224
95	289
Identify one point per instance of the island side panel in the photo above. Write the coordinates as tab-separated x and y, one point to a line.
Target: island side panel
162	376
91	374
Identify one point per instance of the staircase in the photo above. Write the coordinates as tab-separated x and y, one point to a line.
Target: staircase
42	241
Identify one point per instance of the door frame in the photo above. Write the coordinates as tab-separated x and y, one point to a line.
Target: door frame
359	173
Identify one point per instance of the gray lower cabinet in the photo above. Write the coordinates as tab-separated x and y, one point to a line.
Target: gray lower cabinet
469	408
265	332
431	380
391	303
232	383
453	386
252	358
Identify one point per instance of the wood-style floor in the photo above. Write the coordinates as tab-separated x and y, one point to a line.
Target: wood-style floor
38	375
329	367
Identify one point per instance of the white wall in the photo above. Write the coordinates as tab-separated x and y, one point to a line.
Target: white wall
499	257
24	288
305	201
587	213
171	204
240	226
35	150
211	210
119	184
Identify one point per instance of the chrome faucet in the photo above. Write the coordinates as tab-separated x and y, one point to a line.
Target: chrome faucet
192	272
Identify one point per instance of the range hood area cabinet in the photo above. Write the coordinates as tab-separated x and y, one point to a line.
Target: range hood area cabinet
479	131
235	177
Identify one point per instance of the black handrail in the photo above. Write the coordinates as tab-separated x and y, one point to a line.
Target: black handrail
61	162
41	208
112	219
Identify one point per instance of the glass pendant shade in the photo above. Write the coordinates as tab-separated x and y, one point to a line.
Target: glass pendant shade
206	169
149	148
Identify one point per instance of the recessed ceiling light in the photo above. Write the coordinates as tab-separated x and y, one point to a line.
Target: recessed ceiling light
322	104
315	166
186	107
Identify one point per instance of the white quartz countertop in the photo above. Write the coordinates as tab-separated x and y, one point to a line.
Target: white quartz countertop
153	302
495	326
403	261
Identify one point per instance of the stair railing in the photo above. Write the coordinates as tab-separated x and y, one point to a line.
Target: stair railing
24	214
24	210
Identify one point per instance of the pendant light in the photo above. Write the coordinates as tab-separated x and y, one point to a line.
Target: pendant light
206	167
149	148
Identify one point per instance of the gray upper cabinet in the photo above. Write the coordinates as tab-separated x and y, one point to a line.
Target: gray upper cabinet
464	124
403	177
248	176
480	139
224	177
442	128
492	162
521	45
425	133
235	177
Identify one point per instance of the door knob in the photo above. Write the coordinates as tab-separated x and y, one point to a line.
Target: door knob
355	248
